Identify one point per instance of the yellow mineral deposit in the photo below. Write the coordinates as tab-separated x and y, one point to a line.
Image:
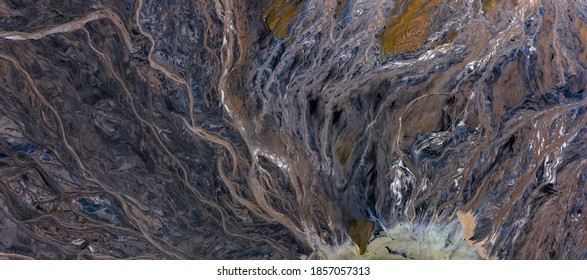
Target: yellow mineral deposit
408	27
488	5
280	14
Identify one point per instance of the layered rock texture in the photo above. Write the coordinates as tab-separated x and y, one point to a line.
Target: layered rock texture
293	129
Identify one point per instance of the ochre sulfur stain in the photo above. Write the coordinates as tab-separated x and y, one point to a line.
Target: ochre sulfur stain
409	30
451	36
360	232
280	14
488	5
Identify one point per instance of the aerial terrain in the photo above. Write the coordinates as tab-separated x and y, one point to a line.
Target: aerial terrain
293	129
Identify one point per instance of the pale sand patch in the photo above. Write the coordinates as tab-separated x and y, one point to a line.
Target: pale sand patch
468	223
420	241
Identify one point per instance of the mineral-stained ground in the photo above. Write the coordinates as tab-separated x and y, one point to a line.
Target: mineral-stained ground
293	129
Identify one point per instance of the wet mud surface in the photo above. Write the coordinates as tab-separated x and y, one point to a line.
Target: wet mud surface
291	129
